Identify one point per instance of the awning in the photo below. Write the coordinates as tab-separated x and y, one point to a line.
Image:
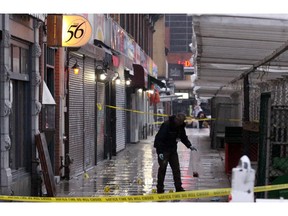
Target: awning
105	47
230	46
165	98
156	81
140	79
47	97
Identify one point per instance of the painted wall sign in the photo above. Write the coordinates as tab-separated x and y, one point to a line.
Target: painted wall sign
76	31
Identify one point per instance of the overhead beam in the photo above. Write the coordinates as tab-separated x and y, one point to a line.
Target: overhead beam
272	56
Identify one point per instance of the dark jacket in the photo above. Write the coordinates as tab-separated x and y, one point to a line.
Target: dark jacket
167	136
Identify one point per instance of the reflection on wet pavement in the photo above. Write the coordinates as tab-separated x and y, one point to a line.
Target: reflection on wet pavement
134	171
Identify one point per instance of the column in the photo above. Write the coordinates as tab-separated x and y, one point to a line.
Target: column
35	104
5	108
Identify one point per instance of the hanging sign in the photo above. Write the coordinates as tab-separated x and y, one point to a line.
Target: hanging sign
76	31
68	30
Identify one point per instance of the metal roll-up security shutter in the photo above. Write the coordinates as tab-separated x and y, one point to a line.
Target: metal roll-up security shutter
120	118
100	121
76	116
89	113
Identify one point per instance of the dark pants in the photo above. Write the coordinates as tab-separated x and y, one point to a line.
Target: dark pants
200	124
173	160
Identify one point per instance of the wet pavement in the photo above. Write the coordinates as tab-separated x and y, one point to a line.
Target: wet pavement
134	171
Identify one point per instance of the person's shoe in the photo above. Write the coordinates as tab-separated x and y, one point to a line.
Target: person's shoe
160	191
195	174
180	189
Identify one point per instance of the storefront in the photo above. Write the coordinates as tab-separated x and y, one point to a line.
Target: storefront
85	115
20	56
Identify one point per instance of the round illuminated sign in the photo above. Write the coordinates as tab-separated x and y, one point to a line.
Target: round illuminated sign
76	31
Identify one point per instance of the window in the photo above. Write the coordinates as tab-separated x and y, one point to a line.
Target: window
178	43
19	118
180	26
18	126
19	60
15	59
24	61
50	56
178	31
23	19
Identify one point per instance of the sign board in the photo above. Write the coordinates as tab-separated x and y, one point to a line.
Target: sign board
185	63
76	31
188	70
175	71
54	30
68	30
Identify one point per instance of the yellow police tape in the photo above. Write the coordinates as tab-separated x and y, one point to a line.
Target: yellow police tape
143	198
188	119
135	111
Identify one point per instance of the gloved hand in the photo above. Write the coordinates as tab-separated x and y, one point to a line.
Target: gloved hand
192	148
161	156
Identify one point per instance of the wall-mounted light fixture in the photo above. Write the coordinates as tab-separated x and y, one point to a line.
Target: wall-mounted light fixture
127	76
102	72
103	75
117	78
75	67
128	81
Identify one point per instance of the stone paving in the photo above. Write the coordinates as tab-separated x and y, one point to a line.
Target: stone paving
134	171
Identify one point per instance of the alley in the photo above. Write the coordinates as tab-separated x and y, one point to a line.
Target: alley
134	171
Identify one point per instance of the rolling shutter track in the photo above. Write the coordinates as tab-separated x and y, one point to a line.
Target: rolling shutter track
100	121
89	114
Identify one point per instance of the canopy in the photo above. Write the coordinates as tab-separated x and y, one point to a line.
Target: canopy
47	97
227	47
